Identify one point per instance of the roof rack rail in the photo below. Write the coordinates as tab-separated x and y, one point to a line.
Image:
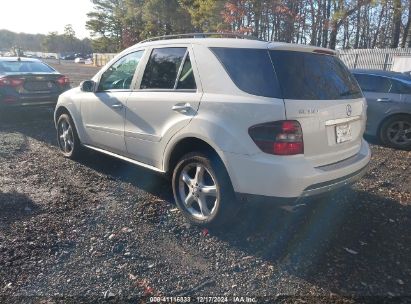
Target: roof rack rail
202	35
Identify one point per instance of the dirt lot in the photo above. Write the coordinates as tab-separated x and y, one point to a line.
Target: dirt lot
103	229
76	72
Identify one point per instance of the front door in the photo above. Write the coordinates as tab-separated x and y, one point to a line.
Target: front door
381	96
165	101
104	111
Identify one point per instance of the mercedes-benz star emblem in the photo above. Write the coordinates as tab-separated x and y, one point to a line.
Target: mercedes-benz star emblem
349	110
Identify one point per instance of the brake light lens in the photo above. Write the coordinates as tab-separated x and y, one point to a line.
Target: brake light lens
63	80
279	138
11	82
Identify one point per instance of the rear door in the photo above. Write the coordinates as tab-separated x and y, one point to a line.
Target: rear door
166	98
324	97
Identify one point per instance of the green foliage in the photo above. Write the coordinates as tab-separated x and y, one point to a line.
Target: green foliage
165	17
205	14
65	43
69	32
9	39
105	24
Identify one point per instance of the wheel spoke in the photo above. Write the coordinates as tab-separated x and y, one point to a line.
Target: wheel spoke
391	130
393	134
203	206
199	174
64	126
70	143
187	179
189	199
400	125
209	190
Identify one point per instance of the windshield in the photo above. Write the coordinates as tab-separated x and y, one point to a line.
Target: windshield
12	67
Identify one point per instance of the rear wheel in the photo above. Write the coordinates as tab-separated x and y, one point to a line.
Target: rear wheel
396	132
203	191
67	137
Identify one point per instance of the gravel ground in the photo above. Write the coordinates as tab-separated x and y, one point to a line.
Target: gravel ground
103	230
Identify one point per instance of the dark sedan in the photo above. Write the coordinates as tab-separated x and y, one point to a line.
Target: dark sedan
29	82
388	97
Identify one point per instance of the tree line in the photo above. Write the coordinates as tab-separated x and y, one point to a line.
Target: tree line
117	24
52	42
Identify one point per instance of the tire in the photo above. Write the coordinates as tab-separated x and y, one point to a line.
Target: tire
201	180
69	143
395	132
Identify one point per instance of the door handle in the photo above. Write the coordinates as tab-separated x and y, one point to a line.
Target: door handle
181	107
117	106
384	99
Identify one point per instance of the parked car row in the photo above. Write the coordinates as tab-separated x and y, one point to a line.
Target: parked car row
227	119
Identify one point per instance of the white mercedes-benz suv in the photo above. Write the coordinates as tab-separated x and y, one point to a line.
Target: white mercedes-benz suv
229	119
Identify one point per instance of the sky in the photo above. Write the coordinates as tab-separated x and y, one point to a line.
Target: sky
44	16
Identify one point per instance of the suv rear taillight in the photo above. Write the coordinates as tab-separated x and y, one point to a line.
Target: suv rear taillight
279	138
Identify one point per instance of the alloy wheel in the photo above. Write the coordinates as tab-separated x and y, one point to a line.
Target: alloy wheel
66	137
198	191
399	132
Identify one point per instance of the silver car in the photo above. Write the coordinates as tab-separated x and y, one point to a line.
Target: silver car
388	96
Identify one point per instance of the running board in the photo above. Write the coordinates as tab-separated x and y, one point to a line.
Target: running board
125	159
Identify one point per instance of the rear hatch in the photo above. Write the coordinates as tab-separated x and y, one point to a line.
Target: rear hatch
321	94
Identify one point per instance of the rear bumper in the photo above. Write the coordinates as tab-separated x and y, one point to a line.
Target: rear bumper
288	178
29	100
335	184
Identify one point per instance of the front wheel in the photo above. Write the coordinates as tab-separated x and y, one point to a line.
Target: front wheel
203	191
396	132
67	137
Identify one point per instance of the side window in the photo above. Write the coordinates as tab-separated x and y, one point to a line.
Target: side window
399	87
121	73
162	68
250	69
186	80
370	83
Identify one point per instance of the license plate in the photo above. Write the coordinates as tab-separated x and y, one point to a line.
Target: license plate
343	133
38	86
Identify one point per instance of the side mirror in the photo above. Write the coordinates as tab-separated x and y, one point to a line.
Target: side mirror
87	86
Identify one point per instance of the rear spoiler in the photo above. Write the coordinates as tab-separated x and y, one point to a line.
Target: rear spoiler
325	52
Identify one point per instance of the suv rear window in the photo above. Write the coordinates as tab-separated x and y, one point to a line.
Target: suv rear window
313	76
296	75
